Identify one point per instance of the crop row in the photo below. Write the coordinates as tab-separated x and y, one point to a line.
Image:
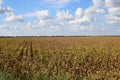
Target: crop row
61	58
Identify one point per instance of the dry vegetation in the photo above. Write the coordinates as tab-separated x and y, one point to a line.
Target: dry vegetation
60	58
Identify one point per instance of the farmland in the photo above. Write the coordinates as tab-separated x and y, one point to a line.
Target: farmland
60	58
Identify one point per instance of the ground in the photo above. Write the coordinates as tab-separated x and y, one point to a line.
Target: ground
60	58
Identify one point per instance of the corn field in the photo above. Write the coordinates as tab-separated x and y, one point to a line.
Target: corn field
60	58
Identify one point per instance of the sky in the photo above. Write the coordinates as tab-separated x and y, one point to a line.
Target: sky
59	17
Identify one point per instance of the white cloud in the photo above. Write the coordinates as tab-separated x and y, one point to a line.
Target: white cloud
112	3
31	25
87	16
79	13
41	14
12	17
58	3
119	30
114	11
84	18
1	1
5	10
99	3
92	10
44	19
16	27
4	26
62	15
112	19
78	28
57	28
82	21
77	0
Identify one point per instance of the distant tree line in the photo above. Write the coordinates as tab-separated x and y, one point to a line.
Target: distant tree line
62	36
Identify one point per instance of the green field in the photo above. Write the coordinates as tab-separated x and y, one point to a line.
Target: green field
60	58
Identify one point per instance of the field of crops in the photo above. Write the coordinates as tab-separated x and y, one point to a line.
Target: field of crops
60	58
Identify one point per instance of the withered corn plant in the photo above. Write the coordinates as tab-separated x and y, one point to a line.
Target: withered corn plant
60	58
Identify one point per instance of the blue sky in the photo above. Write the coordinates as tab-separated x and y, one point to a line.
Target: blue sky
59	17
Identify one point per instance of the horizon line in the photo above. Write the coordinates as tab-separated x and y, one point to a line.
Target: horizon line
66	36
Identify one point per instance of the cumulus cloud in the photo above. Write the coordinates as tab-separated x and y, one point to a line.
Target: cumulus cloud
114	11
79	13
112	3
60	3
79	18
112	19
12	17
42	22
92	10
82	21
16	27
44	19
5	10
78	28
62	15
57	28
41	14
99	3
84	18
4	26
87	16
1	1
31	25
